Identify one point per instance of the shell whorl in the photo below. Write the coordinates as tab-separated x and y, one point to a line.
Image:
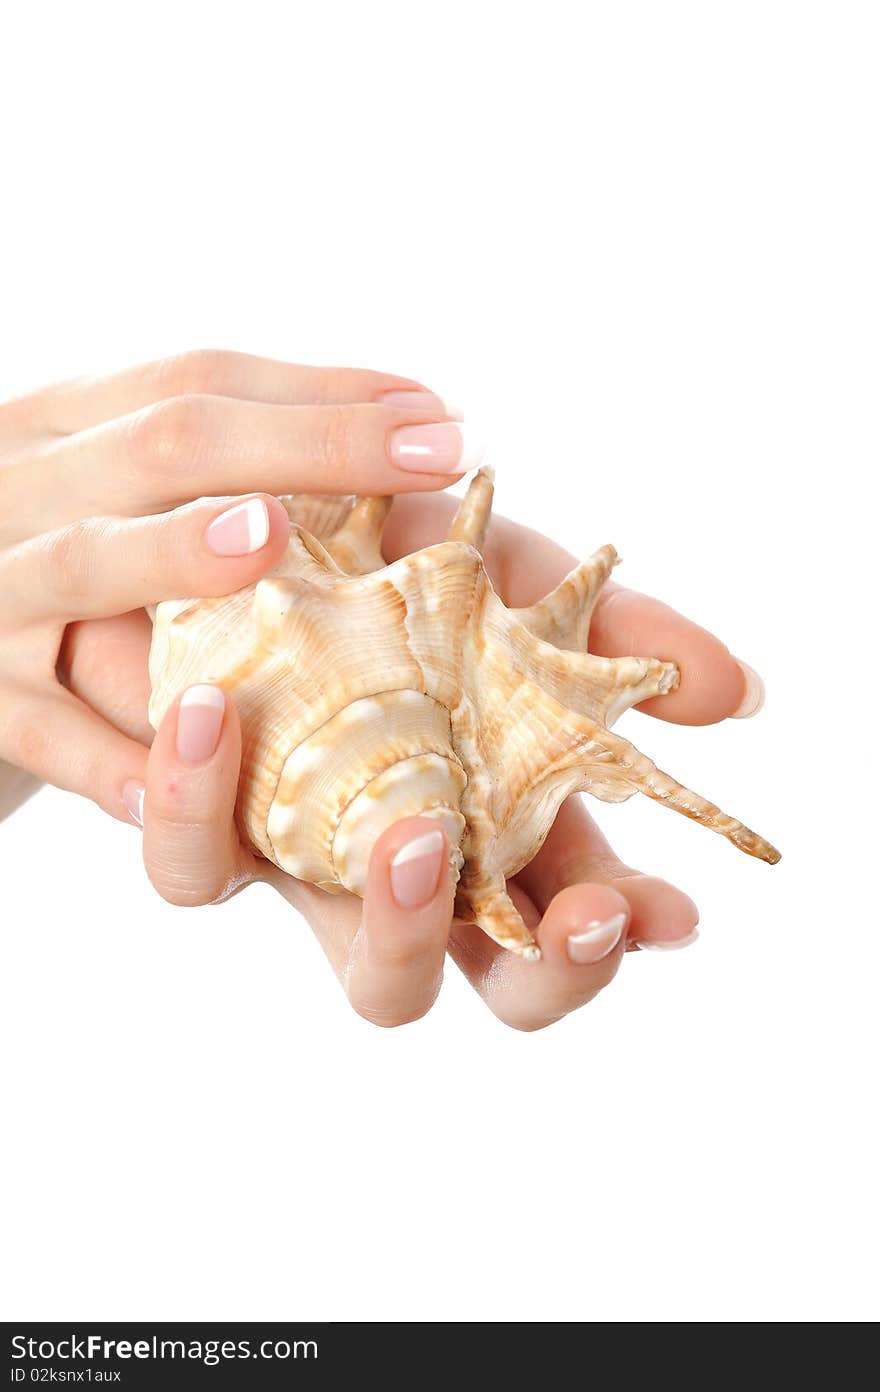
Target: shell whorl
377	760
368	692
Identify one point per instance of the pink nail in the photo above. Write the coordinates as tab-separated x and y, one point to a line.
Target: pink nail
415	870
434	449
133	797
596	941
240	530
421	401
199	721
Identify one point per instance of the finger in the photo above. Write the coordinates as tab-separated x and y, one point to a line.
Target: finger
105	566
395	965
193	445
714	684
78	405
57	739
105	662
575	852
582	937
192	852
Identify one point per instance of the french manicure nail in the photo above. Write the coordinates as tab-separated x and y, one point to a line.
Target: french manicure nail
199	720
596	940
133	797
435	449
753	698
669	944
415	870
240	530
422	401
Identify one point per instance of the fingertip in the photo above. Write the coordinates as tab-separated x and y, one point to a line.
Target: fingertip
279	520
584	925
710	684
409	893
396	963
753	692
406	864
133	791
254	528
711	679
200	728
403	831
662	916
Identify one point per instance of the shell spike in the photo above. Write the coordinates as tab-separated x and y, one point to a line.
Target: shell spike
644	777
367	517
492	909
357	546
563	616
471	522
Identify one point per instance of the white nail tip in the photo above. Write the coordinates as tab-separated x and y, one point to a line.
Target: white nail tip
133	797
597	940
429	844
257	515
753	699
472	449
669	944
204	695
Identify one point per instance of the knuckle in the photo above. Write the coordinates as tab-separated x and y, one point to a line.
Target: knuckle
69	562
332	384
168	437
335	442
201	370
26	745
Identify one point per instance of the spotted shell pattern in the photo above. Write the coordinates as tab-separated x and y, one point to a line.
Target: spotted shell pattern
368	692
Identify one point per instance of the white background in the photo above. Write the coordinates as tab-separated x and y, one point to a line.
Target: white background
641	242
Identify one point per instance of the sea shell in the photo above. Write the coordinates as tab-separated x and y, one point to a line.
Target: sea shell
369	692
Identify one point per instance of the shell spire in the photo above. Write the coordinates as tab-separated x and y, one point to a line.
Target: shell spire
368	692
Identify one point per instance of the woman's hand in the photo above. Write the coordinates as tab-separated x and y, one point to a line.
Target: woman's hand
584	905
92	477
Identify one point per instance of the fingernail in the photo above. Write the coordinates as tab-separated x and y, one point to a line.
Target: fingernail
199	720
596	941
435	449
415	870
133	797
669	944
753	699
421	401
240	530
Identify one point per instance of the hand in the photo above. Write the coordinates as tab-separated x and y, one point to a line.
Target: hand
584	905
92	473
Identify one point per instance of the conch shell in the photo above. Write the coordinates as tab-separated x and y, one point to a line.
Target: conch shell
369	692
